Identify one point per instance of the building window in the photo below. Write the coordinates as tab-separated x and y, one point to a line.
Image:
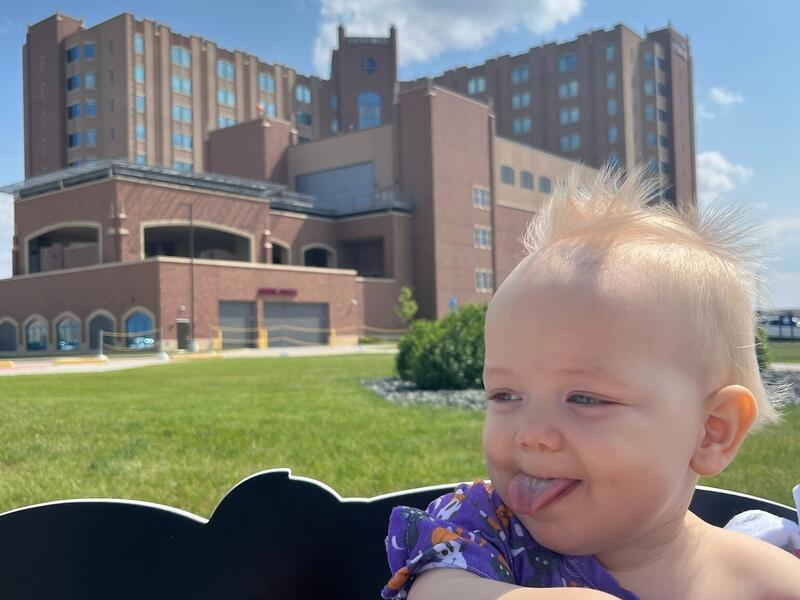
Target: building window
651	139
181	57
612	134
226	71
507	175
266	82
36	335
481	197
141	133
91	137
569	115
611	52
74	111
613	160
270	109
568	89
302	93
138	73
611	80
662	64
570	142
526	180
223	122
181	85
521	125
73	54
226	97
483	280
482	237
141	159
303	118
544	185
476	85
139	104
73	83
334	102
74	139
648	87
182	141
612	107
652	166
368	65
138	43
69	335
180	165
663	116
88	51
182	114
568	62
664	168
369	110
520	74
662	90
521	100
663	141
141	326
88	80
648	60
91	108
650	112
334	125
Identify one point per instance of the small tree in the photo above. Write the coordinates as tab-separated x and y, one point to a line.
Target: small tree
406	306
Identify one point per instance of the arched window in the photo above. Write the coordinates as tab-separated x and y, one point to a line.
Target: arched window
68	333
140	325
36	335
280	254
181	57
8	337
100	322
316	257
369	110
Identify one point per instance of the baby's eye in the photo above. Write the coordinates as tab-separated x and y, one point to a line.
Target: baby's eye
586	400
503	397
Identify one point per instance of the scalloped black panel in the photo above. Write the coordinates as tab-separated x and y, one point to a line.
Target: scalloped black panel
272	537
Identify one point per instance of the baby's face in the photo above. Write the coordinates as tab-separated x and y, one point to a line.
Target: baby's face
592	418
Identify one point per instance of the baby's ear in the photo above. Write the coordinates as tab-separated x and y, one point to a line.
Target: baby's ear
729	413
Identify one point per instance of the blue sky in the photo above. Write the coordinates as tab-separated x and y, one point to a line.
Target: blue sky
744	58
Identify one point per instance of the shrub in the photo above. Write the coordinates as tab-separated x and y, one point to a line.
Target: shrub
406	306
445	354
762	349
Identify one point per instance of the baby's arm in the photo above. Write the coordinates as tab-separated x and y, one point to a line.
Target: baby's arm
463	585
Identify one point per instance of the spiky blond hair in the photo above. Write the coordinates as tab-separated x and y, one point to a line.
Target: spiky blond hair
711	257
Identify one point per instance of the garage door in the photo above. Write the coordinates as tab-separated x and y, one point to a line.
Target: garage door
296	324
237	320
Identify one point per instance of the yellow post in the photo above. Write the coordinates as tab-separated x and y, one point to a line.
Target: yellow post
217	339
262	338
266	338
332	337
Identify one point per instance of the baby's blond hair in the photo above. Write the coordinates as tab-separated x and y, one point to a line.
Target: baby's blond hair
711	256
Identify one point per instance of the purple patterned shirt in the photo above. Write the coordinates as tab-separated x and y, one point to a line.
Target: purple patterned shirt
471	529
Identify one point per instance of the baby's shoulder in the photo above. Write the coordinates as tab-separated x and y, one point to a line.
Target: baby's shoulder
754	568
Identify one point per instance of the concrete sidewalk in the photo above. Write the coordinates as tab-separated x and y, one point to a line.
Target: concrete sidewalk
90	364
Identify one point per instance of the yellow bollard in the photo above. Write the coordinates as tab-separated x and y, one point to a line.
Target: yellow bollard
332	337
266	338
217	340
262	339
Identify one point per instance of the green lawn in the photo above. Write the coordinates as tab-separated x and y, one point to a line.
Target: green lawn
183	434
785	351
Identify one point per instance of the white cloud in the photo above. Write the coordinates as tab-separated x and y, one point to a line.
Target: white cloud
704	113
6	234
426	29
716	175
724	98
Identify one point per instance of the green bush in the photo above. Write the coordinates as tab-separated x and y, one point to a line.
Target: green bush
762	349
445	354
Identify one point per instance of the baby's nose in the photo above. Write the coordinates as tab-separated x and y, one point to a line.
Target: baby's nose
539	436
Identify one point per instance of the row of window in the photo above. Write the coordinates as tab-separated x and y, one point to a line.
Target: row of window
87	138
526	179
74	110
74	81
138	327
650	88
182	141
74	53
181	114
649	59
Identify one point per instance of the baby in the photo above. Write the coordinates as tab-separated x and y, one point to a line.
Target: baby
620	367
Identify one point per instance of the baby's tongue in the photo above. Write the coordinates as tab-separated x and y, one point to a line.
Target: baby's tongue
529	494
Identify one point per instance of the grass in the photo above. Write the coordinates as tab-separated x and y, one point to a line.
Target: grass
785	351
184	434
